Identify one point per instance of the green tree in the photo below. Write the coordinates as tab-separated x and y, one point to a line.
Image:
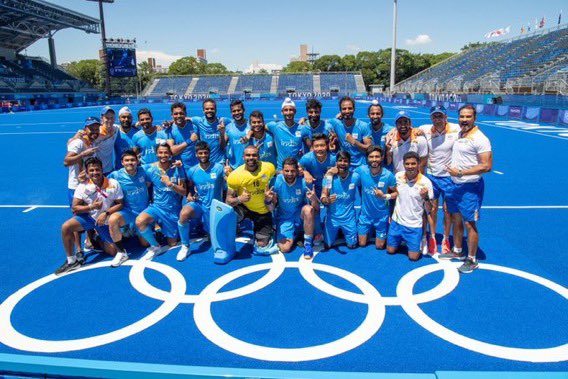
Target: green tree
298	66
185	66
215	69
88	70
349	63
329	63
145	73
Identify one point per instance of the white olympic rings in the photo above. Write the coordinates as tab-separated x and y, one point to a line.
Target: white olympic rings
376	310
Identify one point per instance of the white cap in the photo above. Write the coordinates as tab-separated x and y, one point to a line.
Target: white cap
375	102
124	110
288	103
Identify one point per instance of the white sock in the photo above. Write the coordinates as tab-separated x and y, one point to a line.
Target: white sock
72	259
457	250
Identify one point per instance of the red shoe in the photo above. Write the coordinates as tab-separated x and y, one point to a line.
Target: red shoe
446	248
432	246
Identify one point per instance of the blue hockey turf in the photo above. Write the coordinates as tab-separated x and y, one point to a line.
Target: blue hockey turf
349	311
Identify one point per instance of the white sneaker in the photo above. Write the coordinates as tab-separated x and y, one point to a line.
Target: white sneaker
151	252
183	253
119	259
424	246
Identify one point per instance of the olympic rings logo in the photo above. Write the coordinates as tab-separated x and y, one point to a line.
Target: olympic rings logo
376	310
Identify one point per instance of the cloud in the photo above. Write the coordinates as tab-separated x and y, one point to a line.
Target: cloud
215	51
421	39
162	59
354	48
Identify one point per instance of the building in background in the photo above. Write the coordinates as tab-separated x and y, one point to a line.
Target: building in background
202	56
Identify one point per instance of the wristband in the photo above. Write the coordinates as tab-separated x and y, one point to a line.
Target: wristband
460	173
388	196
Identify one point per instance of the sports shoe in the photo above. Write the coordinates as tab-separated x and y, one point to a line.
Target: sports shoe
80	257
119	259
151	252
446	248
424	246
468	266
67	267
308	251
452	255
432	246
183	253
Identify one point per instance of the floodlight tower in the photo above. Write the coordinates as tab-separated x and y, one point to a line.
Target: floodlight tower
103	41
393	49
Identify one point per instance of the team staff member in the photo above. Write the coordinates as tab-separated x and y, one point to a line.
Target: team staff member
93	203
440	136
403	140
246	194
471	157
413	194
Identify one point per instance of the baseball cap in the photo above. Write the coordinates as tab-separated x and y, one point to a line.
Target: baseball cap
91	121
124	110
438	109
288	103
106	108
401	114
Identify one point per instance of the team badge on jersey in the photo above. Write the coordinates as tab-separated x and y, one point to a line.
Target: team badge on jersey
298	133
381	184
213	175
351	186
298	191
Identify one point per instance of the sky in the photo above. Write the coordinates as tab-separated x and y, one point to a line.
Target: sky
240	33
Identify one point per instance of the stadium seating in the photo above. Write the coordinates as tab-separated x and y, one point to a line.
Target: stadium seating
212	84
515	65
171	85
295	83
343	82
254	83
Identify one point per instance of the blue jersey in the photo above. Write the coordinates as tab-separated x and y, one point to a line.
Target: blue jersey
359	131
379	137
236	148
146	144
371	205
134	187
317	169
266	149
122	143
291	197
165	198
288	141
181	135
343	210
308	131
208	183
209	133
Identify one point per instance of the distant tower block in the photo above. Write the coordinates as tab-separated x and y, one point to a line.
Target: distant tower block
303	53
202	55
152	62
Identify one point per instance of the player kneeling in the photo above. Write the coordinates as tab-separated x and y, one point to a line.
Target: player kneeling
93	203
413	195
290	196
205	181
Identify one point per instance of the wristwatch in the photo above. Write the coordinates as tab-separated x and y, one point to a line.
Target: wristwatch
460	173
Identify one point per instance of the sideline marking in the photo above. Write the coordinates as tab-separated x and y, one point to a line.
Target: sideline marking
499	172
22	133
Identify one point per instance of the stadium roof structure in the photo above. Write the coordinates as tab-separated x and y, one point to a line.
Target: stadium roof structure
23	22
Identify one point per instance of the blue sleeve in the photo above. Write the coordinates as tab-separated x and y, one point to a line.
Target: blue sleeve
303	161
365	130
392	181
332	123
305	131
271	126
356	178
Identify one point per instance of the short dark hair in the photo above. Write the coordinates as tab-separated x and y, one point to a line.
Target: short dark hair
411	155
343	155
93	161
202	145
376	105
468	106
290	161
144	111
318	136
236	102
374	148
257	114
346	98
313	104
128	153
178	105
163	144
209	100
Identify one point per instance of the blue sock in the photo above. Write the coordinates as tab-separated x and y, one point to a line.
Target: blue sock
184	233
148	235
309	240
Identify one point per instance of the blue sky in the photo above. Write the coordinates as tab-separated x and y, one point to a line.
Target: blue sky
239	33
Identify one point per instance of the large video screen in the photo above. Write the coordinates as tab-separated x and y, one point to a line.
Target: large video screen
121	62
